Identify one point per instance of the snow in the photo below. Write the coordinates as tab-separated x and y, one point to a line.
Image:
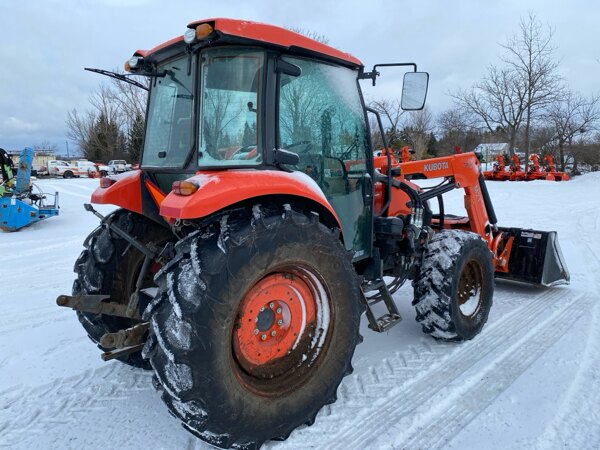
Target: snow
531	379
470	305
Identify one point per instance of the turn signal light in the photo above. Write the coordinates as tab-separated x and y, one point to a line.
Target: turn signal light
106	182
184	187
203	30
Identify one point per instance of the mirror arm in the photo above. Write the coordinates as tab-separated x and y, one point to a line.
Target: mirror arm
374	73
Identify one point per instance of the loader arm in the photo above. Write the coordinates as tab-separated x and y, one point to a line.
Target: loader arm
463	171
529	256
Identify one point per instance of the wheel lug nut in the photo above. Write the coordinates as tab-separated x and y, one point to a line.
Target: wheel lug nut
271	305
262	308
278	310
263	337
280	322
256	331
273	333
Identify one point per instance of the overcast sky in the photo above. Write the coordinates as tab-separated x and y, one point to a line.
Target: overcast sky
44	45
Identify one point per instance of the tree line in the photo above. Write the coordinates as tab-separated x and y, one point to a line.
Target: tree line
522	100
113	126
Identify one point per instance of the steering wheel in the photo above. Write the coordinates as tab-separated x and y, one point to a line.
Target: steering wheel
246	152
307	144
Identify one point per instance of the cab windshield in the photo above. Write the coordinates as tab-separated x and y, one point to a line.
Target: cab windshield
229	132
169	123
229	111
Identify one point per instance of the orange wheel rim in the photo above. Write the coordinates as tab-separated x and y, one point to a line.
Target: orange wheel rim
280	320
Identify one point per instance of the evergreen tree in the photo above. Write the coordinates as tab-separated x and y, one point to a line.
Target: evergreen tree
136	138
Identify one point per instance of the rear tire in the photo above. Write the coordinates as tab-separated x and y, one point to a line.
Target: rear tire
454	286
227	382
106	266
68	174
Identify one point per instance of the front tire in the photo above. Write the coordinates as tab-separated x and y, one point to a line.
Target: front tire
454	286
68	174
254	326
108	266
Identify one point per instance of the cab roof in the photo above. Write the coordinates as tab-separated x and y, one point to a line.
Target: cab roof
264	33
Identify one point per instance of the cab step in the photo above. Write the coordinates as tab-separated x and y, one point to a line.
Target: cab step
386	320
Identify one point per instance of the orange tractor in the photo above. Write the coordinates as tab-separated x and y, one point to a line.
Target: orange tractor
260	227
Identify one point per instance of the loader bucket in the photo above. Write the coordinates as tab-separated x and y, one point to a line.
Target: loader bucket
535	258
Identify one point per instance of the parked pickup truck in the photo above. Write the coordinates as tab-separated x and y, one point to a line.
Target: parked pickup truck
87	168
117	166
62	168
102	168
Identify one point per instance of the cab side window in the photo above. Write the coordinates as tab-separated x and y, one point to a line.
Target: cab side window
321	119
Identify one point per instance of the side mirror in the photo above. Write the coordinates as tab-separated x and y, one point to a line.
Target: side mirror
414	90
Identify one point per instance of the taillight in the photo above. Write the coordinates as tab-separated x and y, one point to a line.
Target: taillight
106	182
184	187
377	197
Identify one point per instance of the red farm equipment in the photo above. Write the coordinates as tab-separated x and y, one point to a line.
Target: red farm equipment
550	169
535	170
260	227
498	172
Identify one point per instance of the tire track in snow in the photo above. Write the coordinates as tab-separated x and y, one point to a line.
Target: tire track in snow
39	276
363	409
443	419
66	191
31	411
576	423
36	321
42	249
78	185
65	401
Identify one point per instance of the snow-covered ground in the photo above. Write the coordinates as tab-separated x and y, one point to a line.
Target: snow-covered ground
531	379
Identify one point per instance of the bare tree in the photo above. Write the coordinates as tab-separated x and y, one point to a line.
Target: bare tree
457	127
99	131
498	101
571	116
310	34
543	138
418	130
529	55
392	115
515	93
46	146
113	126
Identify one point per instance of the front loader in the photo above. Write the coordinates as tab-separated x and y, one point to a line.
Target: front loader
260	228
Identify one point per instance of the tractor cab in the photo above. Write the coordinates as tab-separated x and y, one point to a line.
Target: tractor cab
240	95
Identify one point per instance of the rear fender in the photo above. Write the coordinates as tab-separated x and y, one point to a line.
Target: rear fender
125	192
218	190
132	191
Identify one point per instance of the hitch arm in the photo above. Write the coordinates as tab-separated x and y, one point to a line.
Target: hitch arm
94	304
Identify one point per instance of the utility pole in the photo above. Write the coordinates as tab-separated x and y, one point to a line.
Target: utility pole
67	142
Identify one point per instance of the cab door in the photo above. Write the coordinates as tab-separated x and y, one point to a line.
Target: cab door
321	118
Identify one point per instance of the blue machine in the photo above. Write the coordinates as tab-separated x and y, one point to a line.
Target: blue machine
19	205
